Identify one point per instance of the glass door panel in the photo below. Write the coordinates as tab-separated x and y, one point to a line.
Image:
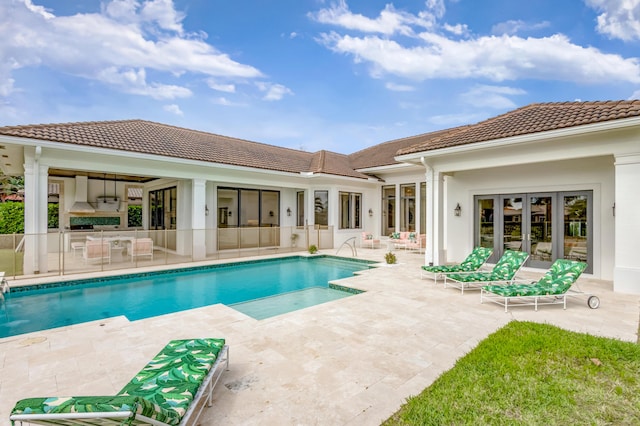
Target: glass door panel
540	233
388	209
576	230
512	231
485	225
408	208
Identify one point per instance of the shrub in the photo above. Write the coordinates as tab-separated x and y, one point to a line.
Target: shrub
390	258
11	218
134	216
313	249
53	217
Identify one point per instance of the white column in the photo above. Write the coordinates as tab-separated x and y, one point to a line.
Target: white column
35	213
198	218
435	233
626	273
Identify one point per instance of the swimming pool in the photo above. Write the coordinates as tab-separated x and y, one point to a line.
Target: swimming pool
139	296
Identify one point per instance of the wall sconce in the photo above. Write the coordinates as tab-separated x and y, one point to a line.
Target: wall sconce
206	210
229	214
288	211
270	213
458	210
370	212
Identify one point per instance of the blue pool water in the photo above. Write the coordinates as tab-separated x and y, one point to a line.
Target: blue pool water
147	295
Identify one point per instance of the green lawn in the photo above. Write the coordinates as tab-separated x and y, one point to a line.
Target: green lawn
7	260
534	374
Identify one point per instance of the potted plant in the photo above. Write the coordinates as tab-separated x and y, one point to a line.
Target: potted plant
390	258
294	240
313	249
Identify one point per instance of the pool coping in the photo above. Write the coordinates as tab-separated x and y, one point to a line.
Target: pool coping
145	274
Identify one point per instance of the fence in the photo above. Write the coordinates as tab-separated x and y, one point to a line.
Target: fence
72	252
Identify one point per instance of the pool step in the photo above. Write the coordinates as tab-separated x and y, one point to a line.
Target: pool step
288	302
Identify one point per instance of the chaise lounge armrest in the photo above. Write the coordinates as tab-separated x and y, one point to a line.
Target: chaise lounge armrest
128	410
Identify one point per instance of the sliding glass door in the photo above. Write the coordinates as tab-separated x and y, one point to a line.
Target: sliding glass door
548	226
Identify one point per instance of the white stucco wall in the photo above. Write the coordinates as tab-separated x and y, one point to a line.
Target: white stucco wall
591	174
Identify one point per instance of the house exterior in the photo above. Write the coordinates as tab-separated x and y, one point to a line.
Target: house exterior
557	180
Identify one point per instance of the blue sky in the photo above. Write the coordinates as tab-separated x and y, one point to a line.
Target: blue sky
310	74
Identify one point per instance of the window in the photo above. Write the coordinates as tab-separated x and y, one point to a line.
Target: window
350	211
163	208
300	208
248	208
408	207
388	209
321	207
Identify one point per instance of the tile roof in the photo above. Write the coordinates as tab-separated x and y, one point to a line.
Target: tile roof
384	154
160	139
534	118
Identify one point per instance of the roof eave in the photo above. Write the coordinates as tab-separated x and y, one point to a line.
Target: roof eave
416	157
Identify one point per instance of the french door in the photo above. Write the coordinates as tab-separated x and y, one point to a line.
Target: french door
548	226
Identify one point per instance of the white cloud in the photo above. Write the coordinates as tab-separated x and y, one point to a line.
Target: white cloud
105	46
399	87
134	82
174	109
493	58
390	21
431	54
274	92
517	26
619	18
458	29
221	87
491	96
452	120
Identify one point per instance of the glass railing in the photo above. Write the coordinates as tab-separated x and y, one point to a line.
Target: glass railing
74	252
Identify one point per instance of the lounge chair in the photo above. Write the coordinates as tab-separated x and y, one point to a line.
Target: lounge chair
473	262
505	270
167	391
417	243
369	241
97	250
141	247
552	288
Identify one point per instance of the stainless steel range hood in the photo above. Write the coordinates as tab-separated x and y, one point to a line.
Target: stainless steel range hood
81	205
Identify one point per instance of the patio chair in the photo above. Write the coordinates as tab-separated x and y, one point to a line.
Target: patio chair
4	285
96	250
369	241
170	390
473	262
505	270
552	288
140	247
417	243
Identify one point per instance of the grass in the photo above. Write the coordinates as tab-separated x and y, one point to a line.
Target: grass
9	258
534	374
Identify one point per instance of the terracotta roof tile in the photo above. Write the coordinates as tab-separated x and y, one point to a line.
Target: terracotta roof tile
383	154
160	139
530	119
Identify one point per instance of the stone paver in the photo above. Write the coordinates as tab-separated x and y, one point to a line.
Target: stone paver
352	361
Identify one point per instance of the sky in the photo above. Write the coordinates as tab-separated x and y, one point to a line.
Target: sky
310	74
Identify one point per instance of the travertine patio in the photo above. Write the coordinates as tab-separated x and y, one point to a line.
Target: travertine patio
349	362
